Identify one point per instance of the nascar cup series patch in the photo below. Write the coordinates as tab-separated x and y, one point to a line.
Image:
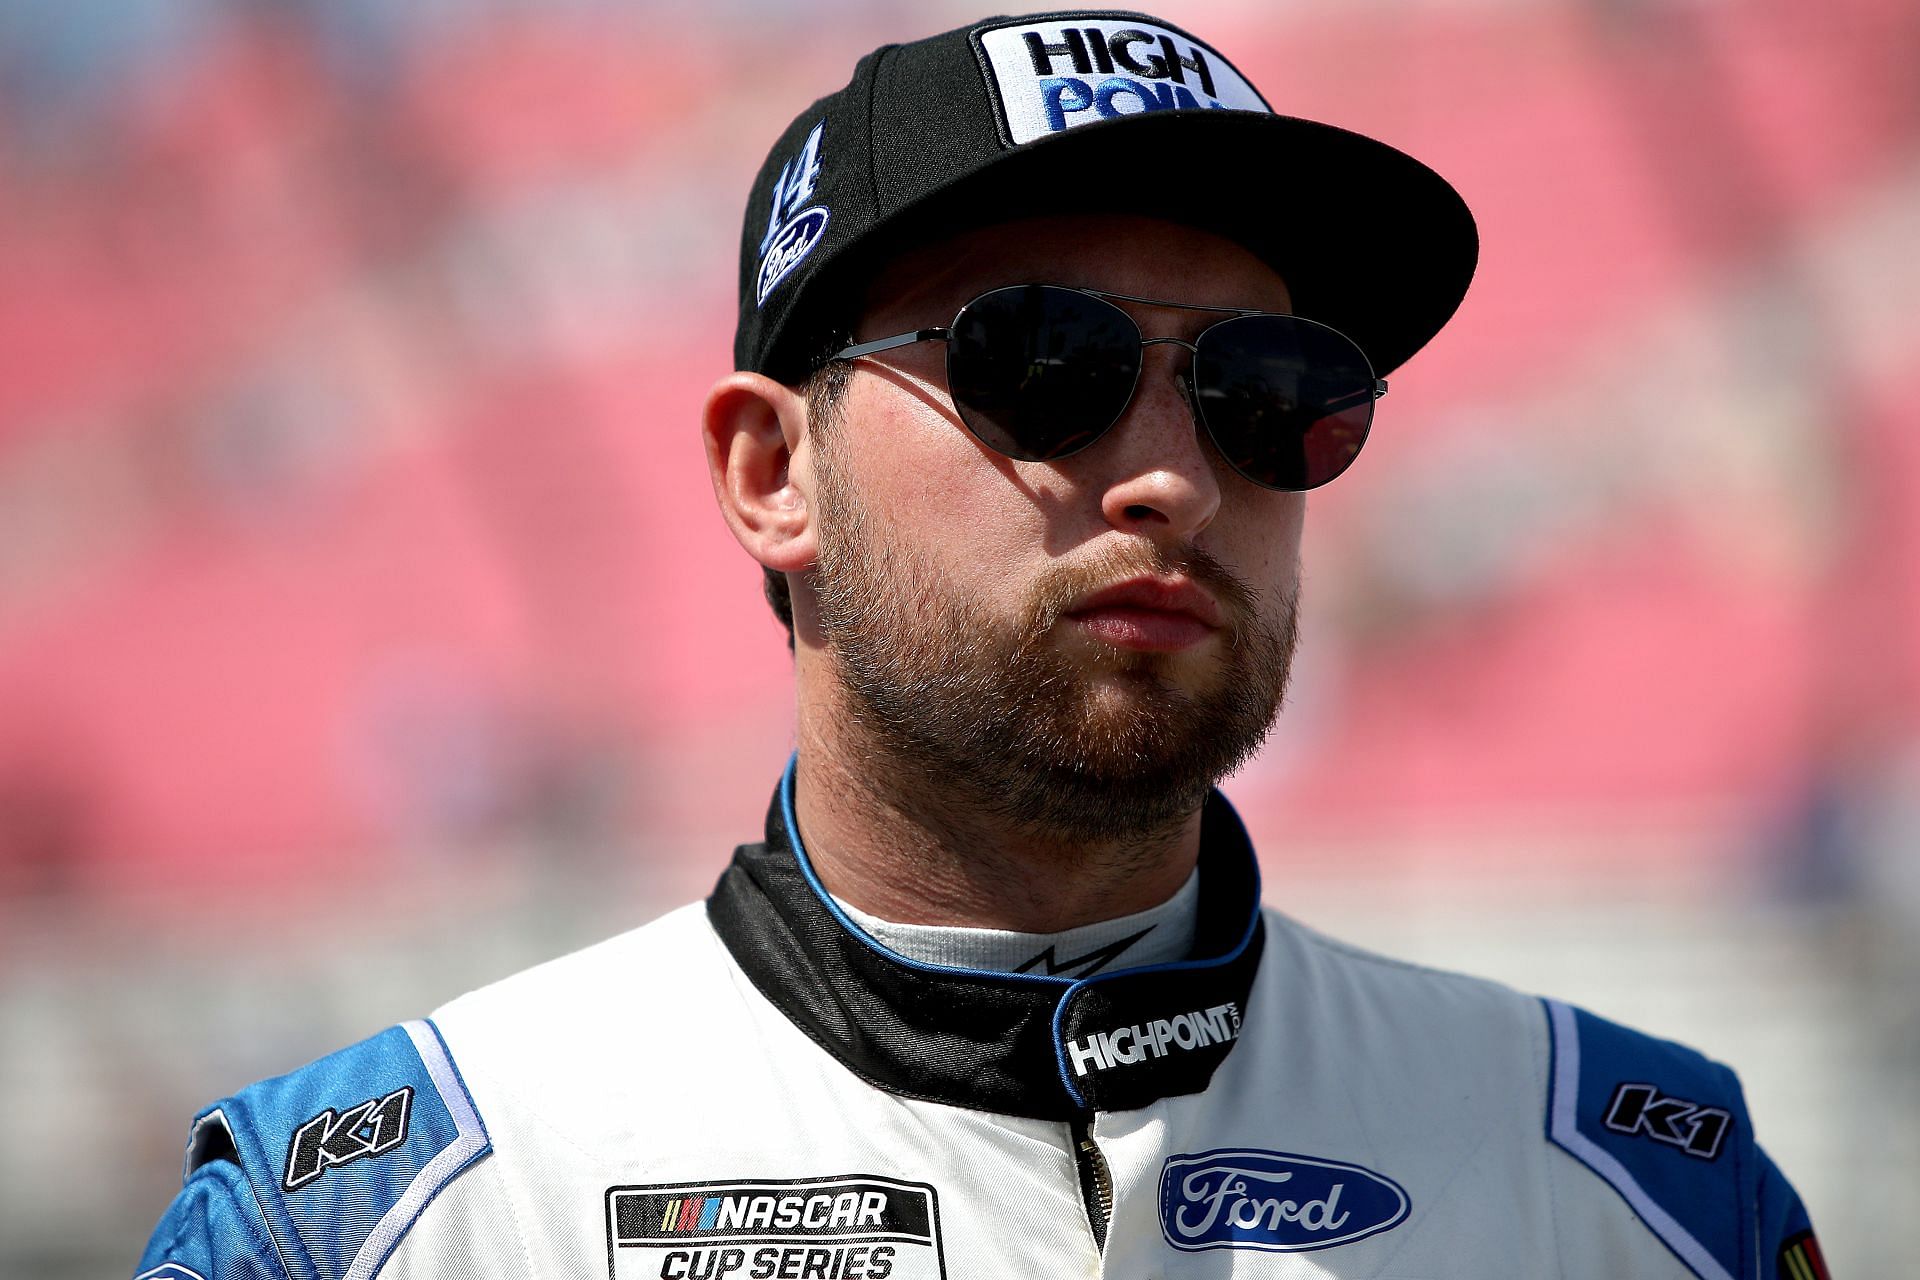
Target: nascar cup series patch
1050	76
852	1227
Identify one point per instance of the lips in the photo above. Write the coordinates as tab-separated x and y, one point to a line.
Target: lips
1177	597
1148	615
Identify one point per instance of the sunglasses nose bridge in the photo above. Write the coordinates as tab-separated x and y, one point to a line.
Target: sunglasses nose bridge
1177	342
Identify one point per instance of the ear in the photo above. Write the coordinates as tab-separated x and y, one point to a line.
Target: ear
753	427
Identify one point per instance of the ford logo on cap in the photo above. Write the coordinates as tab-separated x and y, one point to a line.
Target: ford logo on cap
789	248
1273	1201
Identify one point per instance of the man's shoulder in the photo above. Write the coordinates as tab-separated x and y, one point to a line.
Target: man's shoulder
1634	1117
1355	982
1567	1045
317	1173
1666	1129
586	1015
678	945
1403	990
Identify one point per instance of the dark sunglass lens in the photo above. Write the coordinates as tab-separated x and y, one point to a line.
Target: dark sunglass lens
1287	401
1038	371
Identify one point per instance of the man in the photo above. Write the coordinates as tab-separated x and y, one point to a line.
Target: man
1046	326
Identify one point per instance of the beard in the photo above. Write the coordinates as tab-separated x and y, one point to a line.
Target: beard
954	704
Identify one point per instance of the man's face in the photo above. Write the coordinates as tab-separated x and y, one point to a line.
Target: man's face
952	587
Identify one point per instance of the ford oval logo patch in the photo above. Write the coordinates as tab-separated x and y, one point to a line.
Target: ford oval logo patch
790	246
1273	1201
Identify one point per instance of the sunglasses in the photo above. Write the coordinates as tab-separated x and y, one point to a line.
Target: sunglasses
1041	371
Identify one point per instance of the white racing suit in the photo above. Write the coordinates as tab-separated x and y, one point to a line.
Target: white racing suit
753	1089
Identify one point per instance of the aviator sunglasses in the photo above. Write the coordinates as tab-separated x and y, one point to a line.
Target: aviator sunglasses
1041	371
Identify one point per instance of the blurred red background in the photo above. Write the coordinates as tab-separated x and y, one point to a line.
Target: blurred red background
350	495
353	521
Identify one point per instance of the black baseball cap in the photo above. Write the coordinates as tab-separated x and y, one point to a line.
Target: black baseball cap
1087	111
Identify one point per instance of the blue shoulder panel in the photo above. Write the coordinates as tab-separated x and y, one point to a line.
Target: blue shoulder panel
1788	1250
321	1172
1667	1128
212	1231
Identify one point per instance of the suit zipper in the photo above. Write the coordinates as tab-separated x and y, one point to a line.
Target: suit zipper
1096	1181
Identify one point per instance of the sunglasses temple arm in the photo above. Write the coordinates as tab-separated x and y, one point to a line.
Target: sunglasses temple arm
1374	392
859	349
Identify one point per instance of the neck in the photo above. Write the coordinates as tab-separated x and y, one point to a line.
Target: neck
902	847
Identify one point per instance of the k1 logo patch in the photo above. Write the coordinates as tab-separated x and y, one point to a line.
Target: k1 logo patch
1641	1109
850	1227
1273	1201
332	1138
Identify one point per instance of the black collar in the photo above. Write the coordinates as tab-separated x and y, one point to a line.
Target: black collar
1018	1044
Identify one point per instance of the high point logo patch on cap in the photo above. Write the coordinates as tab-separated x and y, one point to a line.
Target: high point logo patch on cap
794	228
1053	75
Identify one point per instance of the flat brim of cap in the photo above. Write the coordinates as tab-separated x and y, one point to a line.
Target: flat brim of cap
1368	239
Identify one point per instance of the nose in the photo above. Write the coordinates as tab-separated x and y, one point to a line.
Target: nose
1156	475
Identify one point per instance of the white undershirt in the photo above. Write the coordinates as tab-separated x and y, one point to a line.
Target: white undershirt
1154	936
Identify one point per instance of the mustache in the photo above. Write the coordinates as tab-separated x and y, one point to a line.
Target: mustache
1070	580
